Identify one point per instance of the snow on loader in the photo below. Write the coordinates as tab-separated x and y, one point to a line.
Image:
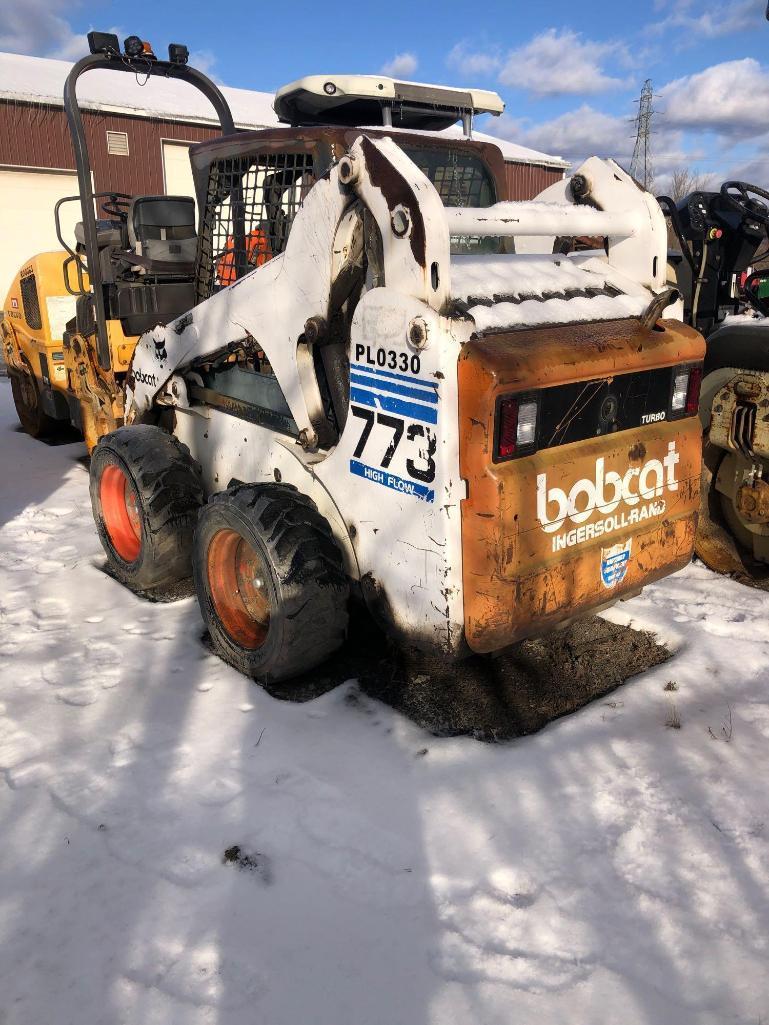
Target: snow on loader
72	318
394	404
721	235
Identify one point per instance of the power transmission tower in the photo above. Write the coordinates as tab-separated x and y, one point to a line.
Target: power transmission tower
641	166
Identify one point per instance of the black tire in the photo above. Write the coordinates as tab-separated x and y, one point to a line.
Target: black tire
293	614
162	492
26	399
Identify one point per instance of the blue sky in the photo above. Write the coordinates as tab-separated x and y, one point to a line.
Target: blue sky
570	74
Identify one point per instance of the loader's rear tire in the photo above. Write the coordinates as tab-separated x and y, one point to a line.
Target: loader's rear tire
270	581
26	399
146	492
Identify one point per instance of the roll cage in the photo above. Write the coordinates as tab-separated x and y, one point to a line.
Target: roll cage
145	64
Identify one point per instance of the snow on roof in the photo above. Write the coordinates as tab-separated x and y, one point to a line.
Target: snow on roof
511	151
41	80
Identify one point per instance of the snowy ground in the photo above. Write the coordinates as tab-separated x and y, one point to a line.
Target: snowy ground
610	869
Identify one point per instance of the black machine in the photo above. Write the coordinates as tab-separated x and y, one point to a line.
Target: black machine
721	235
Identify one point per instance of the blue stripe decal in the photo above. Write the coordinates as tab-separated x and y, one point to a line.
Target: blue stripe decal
369	398
363	369
410	393
391	480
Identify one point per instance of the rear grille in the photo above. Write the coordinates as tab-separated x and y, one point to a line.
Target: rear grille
743	427
30	302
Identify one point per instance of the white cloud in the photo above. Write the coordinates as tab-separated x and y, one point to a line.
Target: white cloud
37	27
560	63
711	20
473	62
754	170
588	132
401	66
205	61
731	98
573	135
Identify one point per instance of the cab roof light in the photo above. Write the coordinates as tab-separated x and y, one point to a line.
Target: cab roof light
103	42
178	53
133	46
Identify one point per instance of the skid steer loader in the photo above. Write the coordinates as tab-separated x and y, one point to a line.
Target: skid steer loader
72	318
721	235
394	404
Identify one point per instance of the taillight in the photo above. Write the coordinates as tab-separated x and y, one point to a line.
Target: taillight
685	391
693	391
680	391
507	430
516	426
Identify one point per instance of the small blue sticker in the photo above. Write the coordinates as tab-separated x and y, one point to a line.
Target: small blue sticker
614	563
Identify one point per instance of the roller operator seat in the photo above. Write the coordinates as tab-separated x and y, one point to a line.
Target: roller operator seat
162	234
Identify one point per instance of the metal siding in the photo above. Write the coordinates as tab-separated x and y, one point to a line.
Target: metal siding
33	135
525	181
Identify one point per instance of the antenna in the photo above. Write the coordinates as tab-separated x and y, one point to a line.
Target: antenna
641	167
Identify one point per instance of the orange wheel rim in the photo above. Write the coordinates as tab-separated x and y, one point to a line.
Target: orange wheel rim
237	580
120	512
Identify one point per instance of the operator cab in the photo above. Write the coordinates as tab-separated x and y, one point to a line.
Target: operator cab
259	179
147	247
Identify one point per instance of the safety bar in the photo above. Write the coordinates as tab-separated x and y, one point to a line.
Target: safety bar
533	218
73	256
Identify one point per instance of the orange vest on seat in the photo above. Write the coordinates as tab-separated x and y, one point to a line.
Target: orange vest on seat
258	251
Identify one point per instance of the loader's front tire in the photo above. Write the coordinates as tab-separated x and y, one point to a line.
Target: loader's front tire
146	491
29	409
270	581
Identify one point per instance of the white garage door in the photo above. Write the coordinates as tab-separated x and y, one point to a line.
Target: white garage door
177	170
27	199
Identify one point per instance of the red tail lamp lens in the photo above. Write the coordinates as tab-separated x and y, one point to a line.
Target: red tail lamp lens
693	391
508	428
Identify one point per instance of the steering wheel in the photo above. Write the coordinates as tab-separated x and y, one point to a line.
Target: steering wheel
736	194
750	291
117	206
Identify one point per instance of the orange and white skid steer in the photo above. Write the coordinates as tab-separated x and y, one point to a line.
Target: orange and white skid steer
419	403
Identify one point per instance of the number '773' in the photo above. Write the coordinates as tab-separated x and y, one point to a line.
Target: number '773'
414	432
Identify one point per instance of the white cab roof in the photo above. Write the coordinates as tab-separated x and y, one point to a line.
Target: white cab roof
361	99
